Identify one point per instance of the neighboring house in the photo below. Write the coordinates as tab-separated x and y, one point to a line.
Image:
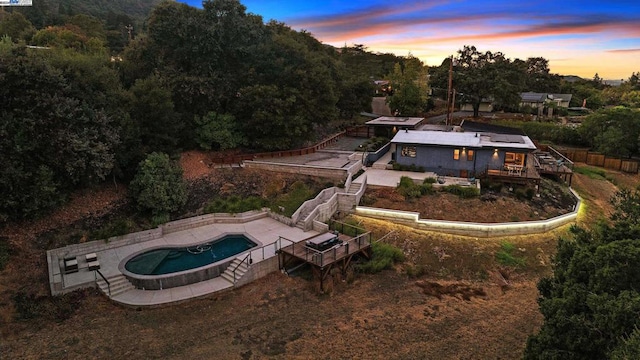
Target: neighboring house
387	126
461	154
486	105
538	100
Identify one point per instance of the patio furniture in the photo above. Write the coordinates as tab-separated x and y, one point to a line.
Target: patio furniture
70	265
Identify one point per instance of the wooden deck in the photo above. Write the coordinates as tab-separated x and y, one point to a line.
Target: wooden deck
554	164
323	261
523	175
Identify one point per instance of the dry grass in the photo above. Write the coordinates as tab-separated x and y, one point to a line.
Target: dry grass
484	309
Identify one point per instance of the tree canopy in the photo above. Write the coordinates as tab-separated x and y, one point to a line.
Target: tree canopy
591	303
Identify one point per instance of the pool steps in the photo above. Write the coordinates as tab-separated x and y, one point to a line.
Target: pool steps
242	268
119	284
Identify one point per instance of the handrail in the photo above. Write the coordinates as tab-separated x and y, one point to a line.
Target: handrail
246	258
96	273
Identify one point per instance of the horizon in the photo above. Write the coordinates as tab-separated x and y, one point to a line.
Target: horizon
578	38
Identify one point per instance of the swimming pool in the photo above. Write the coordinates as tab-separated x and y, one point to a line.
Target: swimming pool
170	260
167	267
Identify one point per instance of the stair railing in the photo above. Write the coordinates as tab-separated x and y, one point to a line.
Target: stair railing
248	259
96	273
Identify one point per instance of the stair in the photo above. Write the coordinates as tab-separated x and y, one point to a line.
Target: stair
241	269
119	284
353	188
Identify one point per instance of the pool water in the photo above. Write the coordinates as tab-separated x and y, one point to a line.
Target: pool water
171	260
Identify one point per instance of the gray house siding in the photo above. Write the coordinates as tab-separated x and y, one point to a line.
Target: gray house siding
439	159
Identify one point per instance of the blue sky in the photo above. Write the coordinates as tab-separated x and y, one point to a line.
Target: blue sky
577	37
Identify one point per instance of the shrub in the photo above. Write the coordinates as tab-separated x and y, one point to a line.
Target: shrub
464	192
524	193
158	185
115	228
430	180
493	186
384	256
234	204
505	256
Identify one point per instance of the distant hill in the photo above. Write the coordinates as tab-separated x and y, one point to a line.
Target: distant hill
571	78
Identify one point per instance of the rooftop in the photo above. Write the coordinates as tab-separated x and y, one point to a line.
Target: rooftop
464	139
396	121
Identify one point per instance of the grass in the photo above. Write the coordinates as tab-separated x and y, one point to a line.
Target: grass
591	172
291	201
505	255
384	256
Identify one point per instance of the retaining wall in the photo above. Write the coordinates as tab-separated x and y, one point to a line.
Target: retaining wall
472	229
318	171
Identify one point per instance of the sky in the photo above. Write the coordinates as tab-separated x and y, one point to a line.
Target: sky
577	37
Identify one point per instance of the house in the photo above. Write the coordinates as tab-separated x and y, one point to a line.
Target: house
387	126
462	154
538	100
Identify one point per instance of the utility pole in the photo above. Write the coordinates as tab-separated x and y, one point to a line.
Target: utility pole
129	28
449	92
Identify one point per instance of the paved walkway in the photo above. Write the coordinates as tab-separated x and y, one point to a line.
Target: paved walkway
266	230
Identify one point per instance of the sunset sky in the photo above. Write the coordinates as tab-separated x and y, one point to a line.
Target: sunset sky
577	37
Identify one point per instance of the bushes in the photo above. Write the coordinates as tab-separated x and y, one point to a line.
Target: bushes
411	190
384	256
411	167
234	204
374	144
464	192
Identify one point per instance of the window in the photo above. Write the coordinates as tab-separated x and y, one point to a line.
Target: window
470	155
409	151
456	154
514	158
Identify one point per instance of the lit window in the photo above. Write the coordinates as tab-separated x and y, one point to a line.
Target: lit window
470	155
456	154
409	151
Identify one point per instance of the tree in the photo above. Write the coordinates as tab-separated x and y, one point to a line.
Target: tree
152	111
409	80
218	131
158	186
53	138
590	305
614	132
482	76
17	27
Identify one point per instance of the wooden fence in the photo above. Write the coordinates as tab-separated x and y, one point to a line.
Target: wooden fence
600	160
360	131
237	159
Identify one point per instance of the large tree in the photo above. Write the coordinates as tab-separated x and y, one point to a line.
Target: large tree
410	86
487	75
614	132
591	304
53	137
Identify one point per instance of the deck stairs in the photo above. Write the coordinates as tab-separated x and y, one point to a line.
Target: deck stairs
119	284
241	269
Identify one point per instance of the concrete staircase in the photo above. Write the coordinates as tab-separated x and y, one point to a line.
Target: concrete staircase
353	188
119	284
241	269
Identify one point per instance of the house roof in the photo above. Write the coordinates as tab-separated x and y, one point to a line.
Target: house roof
564	97
395	121
463	139
533	97
474	126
